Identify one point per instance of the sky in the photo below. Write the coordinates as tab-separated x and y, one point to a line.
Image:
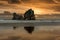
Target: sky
39	6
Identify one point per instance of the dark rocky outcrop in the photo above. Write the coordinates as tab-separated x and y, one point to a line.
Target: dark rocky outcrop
17	17
29	15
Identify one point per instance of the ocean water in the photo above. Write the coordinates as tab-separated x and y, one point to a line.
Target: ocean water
40	33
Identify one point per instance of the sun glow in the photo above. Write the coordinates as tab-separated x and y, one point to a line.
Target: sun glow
37	11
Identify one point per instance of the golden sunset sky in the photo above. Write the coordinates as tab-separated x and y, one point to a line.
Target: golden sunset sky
39	6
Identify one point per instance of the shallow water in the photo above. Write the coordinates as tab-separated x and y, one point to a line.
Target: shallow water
39	33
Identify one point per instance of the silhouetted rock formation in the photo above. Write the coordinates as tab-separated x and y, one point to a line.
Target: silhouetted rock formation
17	17
29	15
29	29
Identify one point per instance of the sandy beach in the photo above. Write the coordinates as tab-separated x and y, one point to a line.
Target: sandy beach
40	33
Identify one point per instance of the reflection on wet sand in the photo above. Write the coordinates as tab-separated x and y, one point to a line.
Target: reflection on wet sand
14	27
40	33
29	29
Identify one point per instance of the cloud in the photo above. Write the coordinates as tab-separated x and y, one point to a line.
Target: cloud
41	4
57	8
41	1
3	0
47	1
28	1
25	0
13	1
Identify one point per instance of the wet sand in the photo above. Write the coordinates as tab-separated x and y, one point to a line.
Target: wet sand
40	33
